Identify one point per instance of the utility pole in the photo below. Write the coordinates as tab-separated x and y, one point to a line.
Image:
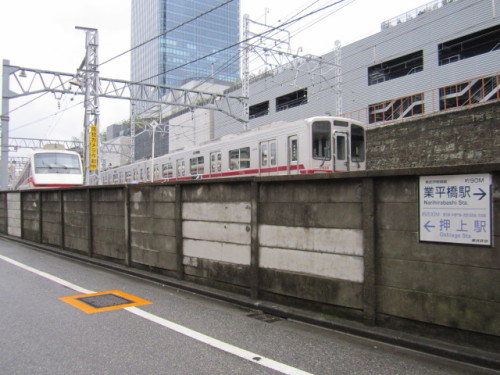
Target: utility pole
245	76
4	130
88	69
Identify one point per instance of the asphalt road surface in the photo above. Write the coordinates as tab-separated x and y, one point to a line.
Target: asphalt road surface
168	332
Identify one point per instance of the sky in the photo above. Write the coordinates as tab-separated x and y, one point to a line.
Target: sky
41	34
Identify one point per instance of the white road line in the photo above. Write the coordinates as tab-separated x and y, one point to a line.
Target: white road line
47	276
228	348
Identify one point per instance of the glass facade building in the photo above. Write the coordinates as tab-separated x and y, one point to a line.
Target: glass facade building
204	48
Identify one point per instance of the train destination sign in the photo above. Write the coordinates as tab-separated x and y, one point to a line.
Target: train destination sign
456	209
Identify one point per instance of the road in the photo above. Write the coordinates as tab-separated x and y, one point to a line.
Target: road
177	333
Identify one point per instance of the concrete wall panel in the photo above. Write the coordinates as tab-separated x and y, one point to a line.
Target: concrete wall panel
337	241
237	212
217	251
467	314
343	267
220	232
14	214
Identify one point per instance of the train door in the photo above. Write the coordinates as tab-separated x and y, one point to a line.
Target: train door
268	160
215	163
181	168
293	155
341	151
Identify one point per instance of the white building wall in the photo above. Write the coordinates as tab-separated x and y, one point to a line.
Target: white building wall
424	32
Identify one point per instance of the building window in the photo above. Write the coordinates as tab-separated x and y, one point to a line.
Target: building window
471	92
392	69
291	100
258	110
470	45
396	109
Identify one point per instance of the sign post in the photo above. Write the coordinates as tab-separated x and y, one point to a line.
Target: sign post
456	209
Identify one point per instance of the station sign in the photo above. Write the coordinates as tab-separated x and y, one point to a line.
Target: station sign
456	209
93	163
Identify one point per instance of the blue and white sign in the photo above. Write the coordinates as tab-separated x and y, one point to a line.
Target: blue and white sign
456	209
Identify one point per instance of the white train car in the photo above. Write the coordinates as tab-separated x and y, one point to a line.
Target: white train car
322	144
51	167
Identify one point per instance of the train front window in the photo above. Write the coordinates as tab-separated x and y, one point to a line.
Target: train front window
57	163
321	140
357	143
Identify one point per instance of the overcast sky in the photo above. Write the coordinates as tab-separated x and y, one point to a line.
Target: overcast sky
41	34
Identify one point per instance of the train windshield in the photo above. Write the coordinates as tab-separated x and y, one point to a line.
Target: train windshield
357	143
57	163
321	140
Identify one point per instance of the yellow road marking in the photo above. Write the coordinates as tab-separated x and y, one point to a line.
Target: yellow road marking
74	301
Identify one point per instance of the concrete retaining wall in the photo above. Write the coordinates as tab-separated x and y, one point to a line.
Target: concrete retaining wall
345	244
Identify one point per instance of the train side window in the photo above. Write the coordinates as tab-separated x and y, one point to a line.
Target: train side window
239	158
357	143
294	148
181	168
263	155
128	176
215	162
197	165
340	146
273	148
136	174
321	140
167	170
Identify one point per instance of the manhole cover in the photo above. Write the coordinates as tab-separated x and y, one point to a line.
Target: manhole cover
105	300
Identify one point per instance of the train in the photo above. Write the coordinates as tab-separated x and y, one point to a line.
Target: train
321	144
51	167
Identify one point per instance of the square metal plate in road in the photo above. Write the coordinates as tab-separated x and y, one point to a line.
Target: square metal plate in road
104	301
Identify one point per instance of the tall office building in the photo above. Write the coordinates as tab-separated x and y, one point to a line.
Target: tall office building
193	46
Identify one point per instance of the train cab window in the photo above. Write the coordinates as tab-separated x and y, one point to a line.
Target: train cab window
57	163
357	143
197	165
167	170
239	158
321	140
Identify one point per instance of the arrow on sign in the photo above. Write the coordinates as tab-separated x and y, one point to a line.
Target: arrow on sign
427	226
482	194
